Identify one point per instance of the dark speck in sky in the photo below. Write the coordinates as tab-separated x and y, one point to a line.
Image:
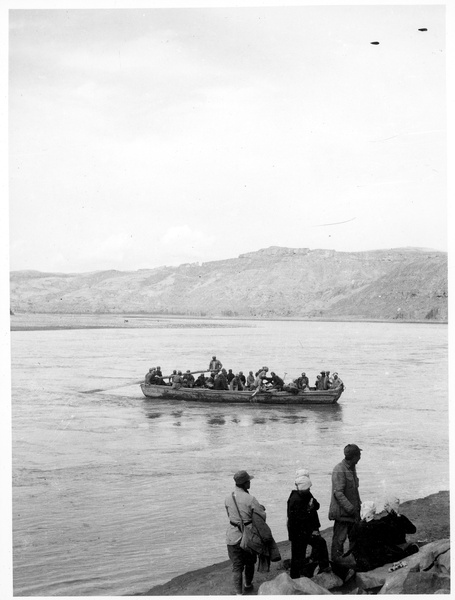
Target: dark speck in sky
423	29
374	43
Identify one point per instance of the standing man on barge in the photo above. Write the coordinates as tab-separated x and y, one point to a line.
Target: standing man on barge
215	365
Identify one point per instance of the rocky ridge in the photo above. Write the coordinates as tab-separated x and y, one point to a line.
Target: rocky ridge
400	284
427	572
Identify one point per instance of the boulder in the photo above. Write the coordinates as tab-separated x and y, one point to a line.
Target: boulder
414	582
427	555
283	585
328	580
374	578
310	588
443	563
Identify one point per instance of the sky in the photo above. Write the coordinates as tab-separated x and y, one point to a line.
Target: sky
149	137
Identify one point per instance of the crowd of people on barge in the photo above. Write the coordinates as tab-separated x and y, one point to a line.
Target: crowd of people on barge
376	534
220	378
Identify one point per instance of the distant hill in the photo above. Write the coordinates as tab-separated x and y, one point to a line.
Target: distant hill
404	283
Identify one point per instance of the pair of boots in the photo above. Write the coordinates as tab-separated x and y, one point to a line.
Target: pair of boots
238	581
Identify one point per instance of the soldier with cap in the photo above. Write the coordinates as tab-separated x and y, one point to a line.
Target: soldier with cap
345	501
239	507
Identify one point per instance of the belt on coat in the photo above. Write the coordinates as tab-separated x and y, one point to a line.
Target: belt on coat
238	524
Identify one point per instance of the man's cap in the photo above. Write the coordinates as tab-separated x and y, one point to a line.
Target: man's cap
322	372
242	477
213	356
351	450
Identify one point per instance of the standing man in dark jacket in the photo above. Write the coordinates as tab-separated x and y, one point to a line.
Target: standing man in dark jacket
345	501
303	526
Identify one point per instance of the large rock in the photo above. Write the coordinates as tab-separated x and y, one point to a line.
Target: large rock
413	582
427	555
427	572
373	579
310	588
443	563
328	580
432	559
283	585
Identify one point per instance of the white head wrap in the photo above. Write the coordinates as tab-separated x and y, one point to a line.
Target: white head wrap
391	503
302	479
367	510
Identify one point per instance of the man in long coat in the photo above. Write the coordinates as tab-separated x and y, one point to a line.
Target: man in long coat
345	501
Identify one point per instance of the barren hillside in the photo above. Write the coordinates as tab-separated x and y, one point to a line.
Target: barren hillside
408	284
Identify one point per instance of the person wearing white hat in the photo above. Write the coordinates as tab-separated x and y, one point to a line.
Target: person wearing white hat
240	505
380	537
303	528
367	510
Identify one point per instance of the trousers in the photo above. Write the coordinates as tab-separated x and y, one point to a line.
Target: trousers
319	554
241	561
341	531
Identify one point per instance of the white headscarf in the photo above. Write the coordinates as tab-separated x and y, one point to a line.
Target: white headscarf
391	503
302	480
367	510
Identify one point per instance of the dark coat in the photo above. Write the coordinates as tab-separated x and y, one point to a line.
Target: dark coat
345	501
397	526
302	514
221	382
381	541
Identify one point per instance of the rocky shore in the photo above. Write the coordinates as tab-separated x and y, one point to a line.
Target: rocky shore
430	515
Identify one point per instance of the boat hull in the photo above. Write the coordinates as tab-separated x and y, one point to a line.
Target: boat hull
160	392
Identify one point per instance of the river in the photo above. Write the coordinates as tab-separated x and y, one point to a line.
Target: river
114	493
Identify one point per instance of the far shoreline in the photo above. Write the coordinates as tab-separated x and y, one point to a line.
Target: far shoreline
159	317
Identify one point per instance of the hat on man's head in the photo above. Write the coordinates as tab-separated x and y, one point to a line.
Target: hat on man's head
351	450
242	477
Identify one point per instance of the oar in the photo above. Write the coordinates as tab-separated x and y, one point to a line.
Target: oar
130	383
113	388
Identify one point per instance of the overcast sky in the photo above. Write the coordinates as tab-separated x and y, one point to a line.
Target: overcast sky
149	137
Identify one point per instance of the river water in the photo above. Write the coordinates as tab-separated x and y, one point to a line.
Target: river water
114	493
